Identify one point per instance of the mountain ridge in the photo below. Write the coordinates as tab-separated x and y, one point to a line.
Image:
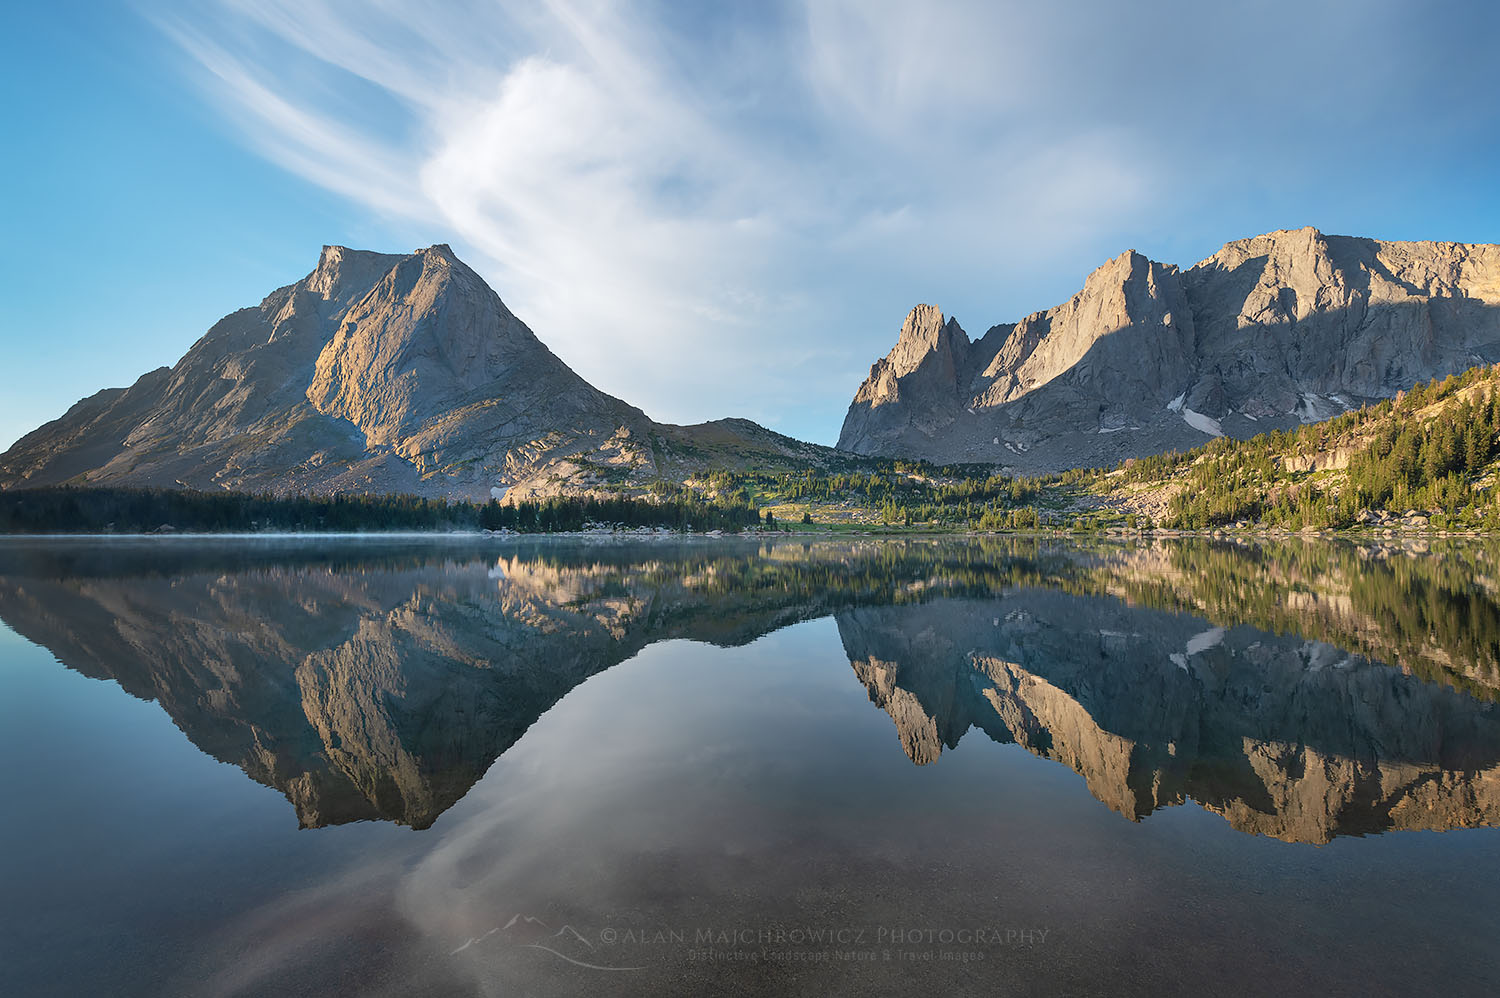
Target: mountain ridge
406	373
1287	327
376	373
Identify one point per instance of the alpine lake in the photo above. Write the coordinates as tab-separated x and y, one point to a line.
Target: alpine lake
702	766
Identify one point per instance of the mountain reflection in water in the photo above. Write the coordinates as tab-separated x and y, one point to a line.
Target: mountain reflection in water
1301	690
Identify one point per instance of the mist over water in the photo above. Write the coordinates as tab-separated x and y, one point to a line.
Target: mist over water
454	766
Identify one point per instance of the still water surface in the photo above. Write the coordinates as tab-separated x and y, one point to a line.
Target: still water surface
581	767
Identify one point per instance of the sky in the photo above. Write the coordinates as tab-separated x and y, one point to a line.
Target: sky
708	210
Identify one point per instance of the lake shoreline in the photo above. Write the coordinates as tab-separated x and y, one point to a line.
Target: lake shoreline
814	532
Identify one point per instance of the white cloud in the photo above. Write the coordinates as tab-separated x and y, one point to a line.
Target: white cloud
717	212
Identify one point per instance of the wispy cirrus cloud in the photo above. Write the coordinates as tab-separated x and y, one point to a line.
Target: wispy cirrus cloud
667	193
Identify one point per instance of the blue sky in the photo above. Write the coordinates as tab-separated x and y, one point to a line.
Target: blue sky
707	210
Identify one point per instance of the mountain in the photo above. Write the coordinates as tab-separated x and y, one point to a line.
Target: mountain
1285	328
376	373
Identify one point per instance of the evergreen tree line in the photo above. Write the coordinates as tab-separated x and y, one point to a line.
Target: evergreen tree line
903	492
68	509
1401	460
678	512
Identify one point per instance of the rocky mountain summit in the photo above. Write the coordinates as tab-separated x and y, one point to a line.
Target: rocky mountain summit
375	373
1293	326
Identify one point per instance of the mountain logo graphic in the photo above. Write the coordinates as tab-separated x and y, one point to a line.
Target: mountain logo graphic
529	932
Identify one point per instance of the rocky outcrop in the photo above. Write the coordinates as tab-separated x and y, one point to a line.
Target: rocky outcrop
375	373
1289	327
431	365
930	360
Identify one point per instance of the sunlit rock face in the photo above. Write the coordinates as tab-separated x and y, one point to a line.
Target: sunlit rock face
1289	327
381	682
374	373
